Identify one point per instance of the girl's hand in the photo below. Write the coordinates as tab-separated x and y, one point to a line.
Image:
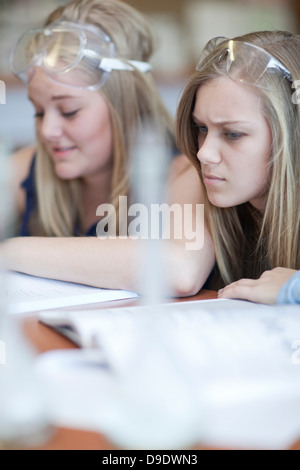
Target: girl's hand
262	290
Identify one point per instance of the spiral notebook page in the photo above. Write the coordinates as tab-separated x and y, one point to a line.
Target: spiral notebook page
28	294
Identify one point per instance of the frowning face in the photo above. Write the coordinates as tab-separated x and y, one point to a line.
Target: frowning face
234	142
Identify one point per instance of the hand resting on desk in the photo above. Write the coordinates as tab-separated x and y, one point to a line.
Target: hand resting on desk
264	290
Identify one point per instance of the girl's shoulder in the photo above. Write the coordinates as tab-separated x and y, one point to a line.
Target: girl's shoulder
184	182
23	157
21	161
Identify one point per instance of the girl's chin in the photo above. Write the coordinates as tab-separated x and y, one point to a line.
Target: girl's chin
66	175
221	204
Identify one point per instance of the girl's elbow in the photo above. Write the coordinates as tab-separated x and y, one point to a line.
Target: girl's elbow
186	287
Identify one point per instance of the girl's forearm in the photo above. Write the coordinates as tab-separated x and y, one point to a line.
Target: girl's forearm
110	263
99	263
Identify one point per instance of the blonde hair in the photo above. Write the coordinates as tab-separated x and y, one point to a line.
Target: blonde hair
132	98
247	242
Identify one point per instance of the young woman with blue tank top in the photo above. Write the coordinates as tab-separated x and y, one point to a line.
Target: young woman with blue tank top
92	89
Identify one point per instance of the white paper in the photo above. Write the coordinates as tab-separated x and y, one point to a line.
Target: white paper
28	294
221	373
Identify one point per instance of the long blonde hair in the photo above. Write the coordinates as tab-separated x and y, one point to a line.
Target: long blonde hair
132	97
247	242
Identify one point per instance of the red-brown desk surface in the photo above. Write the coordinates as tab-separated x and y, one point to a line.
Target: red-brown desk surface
45	339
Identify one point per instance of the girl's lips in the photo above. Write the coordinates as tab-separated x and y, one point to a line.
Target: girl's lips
211	179
62	151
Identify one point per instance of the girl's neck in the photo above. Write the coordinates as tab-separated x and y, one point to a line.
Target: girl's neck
97	187
95	190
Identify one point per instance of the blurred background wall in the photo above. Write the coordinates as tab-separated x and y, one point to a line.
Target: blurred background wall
181	28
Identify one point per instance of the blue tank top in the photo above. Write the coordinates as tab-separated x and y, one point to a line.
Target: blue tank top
31	199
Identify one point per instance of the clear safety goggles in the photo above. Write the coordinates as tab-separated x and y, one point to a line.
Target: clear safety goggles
245	62
76	55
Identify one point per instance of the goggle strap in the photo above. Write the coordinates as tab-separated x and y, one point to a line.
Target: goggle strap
109	64
141	66
275	64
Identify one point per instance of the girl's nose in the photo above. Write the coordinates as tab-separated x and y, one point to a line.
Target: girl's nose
209	151
50	127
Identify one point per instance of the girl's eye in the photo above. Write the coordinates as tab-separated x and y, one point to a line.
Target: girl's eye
64	114
202	129
233	135
70	114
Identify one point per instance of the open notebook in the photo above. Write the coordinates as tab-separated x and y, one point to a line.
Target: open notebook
28	294
225	372
87	328
238	322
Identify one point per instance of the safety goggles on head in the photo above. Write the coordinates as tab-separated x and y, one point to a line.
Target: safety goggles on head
76	55
245	62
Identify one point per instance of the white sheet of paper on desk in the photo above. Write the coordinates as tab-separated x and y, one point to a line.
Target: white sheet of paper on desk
225	373
27	294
